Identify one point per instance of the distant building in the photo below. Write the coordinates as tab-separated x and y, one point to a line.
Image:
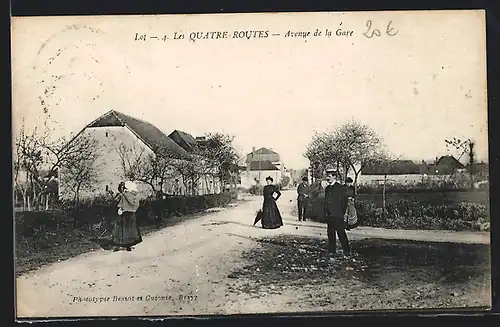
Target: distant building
445	165
263	154
407	171
260	164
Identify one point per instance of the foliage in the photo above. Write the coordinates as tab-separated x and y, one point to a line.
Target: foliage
416	215
35	149
413	214
349	146
446	186
213	157
285	181
150	168
103	210
256	189
81	172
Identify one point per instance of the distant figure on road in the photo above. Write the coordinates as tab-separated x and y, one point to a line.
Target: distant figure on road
335	207
125	232
271	217
303	191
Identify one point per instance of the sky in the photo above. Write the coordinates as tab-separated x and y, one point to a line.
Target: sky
415	89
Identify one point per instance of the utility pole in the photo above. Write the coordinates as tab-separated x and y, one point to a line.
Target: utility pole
260	167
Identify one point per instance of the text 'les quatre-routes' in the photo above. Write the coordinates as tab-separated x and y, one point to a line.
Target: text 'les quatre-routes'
371	31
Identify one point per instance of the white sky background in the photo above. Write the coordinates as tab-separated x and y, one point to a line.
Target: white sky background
424	85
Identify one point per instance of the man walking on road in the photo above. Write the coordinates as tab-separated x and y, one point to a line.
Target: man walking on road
303	191
335	207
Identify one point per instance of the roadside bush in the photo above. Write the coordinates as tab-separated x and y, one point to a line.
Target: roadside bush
154	210
405	214
409	188
70	214
256	189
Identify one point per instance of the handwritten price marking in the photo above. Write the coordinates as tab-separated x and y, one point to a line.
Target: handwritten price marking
371	31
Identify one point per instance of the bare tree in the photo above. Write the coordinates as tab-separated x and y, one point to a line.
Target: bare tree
387	165
461	148
132	161
350	146
152	169
213	157
358	144
472	162
322	152
81	174
28	160
222	157
36	149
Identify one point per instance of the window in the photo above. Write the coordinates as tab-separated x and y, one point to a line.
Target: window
107	188
106	134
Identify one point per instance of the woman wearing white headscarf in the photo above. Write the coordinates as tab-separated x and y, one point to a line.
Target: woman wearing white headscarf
126	232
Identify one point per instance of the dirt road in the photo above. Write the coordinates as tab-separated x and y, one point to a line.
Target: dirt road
192	268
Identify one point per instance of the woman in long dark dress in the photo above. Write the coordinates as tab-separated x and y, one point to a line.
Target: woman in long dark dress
271	217
126	232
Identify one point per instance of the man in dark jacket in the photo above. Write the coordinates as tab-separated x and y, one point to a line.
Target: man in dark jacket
303	191
335	207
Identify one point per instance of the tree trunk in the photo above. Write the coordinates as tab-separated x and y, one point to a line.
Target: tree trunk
47	201
356	174
383	196
77	195
25	199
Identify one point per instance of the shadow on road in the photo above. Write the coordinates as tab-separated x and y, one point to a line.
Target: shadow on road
379	264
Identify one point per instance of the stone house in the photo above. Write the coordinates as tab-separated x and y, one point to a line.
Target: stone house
260	164
122	142
257	171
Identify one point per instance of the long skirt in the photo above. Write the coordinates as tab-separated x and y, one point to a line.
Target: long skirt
271	218
125	230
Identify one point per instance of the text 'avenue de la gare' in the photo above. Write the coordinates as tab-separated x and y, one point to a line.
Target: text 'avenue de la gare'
246	35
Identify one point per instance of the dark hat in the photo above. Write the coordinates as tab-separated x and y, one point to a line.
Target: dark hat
333	173
304	179
269	178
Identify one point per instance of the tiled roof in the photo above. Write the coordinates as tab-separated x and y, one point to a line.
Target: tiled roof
262	165
396	167
263	151
183	139
147	132
449	161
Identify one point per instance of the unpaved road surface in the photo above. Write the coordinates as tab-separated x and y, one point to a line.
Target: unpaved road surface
220	264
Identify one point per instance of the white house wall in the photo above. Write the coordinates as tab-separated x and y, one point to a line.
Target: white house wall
400	179
248	177
108	164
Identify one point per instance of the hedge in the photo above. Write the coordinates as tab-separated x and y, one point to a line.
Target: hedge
412	215
104	210
256	189
370	189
